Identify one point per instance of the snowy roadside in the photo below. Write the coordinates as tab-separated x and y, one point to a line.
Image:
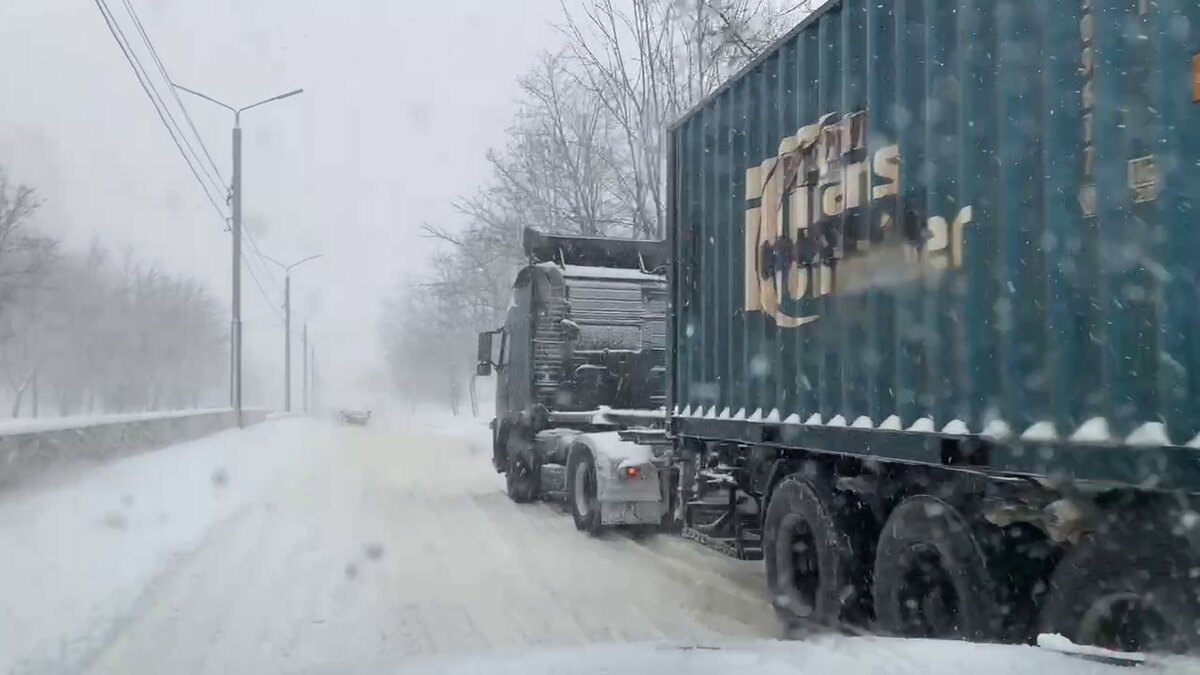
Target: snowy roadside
77	556
31	425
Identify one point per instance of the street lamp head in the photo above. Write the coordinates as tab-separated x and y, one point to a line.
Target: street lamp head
288	268
273	98
301	262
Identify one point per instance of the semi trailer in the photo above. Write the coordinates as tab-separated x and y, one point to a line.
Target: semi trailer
932	325
934	331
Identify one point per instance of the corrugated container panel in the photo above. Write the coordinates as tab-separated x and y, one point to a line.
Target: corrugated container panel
972	210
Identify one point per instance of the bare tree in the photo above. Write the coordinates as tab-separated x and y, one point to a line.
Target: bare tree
556	172
648	60
111	338
585	155
24	254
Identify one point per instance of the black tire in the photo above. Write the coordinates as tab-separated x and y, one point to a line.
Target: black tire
500	450
814	570
522	480
1129	586
931	575
587	515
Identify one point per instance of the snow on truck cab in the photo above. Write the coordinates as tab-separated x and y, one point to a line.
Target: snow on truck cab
580	376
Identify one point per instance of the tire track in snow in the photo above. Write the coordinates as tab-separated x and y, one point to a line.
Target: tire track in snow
457	567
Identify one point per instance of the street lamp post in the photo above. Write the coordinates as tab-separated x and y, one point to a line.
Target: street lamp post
236	227
287	327
306	360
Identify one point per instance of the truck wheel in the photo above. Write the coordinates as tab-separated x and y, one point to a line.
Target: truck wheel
813	571
931	576
500	450
1130	588
522	480
581	490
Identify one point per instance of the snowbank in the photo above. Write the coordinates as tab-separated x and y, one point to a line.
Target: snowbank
27	425
76	557
37	446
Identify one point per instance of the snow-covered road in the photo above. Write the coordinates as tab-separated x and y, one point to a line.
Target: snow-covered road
298	544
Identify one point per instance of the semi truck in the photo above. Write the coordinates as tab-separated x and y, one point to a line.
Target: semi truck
580	359
933	333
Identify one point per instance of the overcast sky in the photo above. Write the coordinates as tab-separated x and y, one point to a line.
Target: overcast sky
401	99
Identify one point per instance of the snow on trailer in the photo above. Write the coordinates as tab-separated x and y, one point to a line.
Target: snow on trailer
954	238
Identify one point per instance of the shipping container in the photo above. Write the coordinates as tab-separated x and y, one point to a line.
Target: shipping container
949	231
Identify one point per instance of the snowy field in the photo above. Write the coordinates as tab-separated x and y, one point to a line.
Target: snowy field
301	546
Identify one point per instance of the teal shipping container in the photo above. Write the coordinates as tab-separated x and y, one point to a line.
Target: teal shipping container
931	219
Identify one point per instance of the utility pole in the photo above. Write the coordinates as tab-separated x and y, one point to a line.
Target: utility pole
287	343
236	227
316	400
235	197
287	324
306	367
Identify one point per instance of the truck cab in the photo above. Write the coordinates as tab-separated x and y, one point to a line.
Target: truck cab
579	359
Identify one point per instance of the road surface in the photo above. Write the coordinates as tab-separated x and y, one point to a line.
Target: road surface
396	541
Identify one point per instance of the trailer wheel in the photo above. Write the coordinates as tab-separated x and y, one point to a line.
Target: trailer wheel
813	570
581	491
1129	588
931	575
523	478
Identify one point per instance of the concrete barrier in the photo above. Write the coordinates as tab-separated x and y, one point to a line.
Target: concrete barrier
26	453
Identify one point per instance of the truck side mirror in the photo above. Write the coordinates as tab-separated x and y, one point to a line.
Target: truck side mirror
483	355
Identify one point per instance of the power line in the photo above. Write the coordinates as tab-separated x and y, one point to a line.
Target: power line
137	22
261	290
175	132
159	107
249	237
157	95
262	261
258	282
